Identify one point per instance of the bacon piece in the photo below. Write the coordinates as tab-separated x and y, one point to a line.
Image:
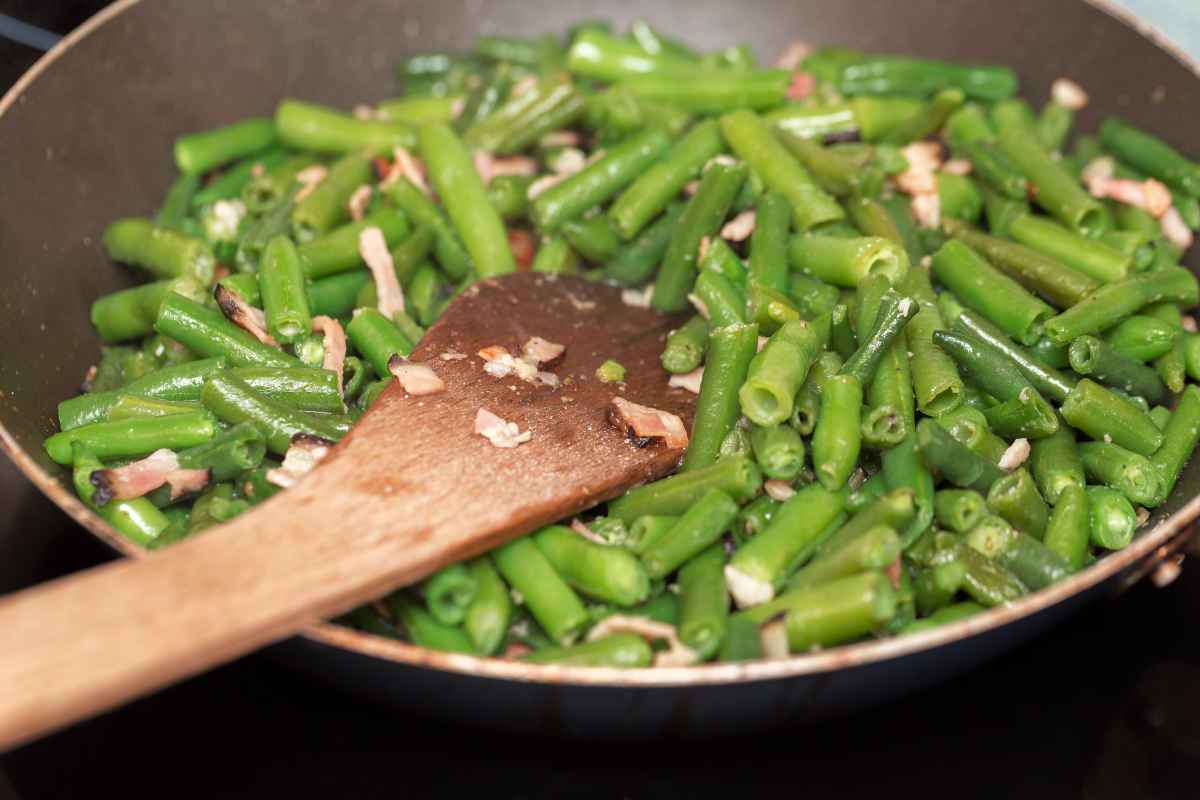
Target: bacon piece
924	159
520	241
404	165
1149	195
499	431
245	316
1188	323
542	351
417	379
141	477
793	54
689	381
545	182
1068	94
927	210
489	166
334	358
374	251
1175	229
642	423
691	187
309	178
358	202
677	653
802	85
702	249
304	453
740	227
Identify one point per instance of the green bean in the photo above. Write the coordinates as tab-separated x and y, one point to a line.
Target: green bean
281	284
199	152
177	204
842	340
1180	435
1129	473
770	309
930	119
985	581
903	75
990	164
130	313
272	184
1000	377
338	250
1104	415
958	510
636	262
276	221
736	476
775	375
813	121
893	509
904	467
834	171
1142	338
489	611
1054	125
837	438
702	217
1027	416
608	573
1160	415
647	529
553	104
449	592
994	295
377	338
622	650
779	450
552	602
230	184
1044	378
956	463
234	401
838	611
934	590
967	125
1150	154
750	138
871	490
327	205
958	198
597	55
1111	518
879	118
137	519
132	437
594	238
969	427
1069	531
447	249
1091	356
846	262
424	630
703	602
303	388
725	302
177	383
555	257
1093	258
874	549
686	346
700	526
1055	189
208	333
711	91
1055	463
807	404
243	284
162	252
1015	498
131	406
453	176
768	243
936	382
888	327
307	126
758	565
509	195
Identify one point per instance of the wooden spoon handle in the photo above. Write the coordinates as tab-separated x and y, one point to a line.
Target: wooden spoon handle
87	642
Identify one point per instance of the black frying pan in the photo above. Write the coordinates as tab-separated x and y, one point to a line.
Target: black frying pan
86	137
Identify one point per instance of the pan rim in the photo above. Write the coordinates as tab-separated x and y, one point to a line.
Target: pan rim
1155	544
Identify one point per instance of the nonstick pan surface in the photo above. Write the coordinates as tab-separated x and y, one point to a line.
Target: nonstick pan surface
86	138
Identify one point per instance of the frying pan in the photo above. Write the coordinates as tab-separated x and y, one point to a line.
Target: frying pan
86	138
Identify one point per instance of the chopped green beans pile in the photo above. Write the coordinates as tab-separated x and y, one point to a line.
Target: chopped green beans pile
940	352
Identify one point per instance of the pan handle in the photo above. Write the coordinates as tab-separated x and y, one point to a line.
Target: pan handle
26	34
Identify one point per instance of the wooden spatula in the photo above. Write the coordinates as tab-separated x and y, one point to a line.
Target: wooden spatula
411	489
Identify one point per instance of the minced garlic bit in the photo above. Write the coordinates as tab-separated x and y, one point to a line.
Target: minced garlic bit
740	227
417	379
498	431
610	372
677	653
688	380
641	424
1068	94
1015	455
304	453
581	305
778	490
638	298
221	224
746	590
1143	516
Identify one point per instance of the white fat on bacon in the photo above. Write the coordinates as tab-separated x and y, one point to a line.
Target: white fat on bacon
144	476
309	179
499	431
689	381
677	653
374	251
334	346
358	202
304	453
417	379
640	422
489	166
245	316
740	227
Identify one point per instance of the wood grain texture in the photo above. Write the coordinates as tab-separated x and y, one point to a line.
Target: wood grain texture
409	490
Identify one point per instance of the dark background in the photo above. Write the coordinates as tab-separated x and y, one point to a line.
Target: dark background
1107	706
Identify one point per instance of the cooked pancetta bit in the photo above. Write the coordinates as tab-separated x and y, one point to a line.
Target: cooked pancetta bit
364	111
544	183
688	380
1015	455
417	379
560	139
677	653
304	453
334	344
801	86
740	227
638	298
309	178
358	202
927	210
374	251
924	159
542	351
143	476
1175	230
404	165
488	166
245	316
499	431
957	166
1149	195
641	424
793	54
1068	94
778	490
